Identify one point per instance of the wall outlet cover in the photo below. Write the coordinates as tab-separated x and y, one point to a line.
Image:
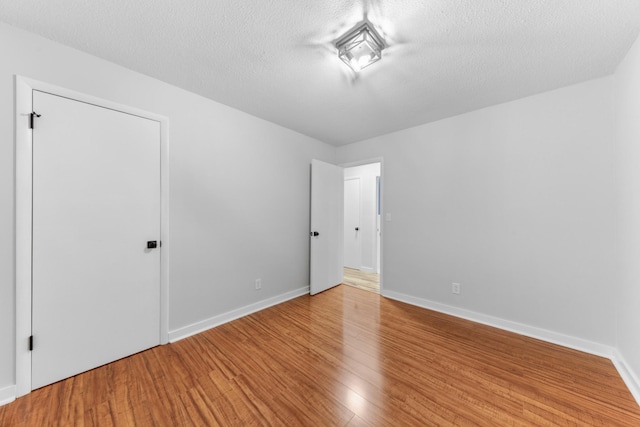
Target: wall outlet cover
455	288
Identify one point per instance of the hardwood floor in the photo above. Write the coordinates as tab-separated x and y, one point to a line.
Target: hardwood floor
359	279
344	357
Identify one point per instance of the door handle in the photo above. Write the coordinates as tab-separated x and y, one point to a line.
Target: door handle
152	244
357	228
314	234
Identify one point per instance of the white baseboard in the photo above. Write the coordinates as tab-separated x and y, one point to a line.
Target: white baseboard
367	270
212	322
7	394
627	374
519	328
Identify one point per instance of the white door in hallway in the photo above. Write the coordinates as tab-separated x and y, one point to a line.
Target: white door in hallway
352	240
96	205
327	217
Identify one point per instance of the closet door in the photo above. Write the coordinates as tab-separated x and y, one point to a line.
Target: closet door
96	205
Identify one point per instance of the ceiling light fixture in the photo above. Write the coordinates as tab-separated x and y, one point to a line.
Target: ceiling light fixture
360	47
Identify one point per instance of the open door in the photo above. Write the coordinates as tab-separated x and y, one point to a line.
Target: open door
327	218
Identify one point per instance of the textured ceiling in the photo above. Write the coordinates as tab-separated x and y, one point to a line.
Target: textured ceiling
275	59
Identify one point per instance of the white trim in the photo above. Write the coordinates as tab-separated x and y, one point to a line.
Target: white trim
367	269
362	162
165	246
7	394
23	236
628	376
24	106
507	325
214	321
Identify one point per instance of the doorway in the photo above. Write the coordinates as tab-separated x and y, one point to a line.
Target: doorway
362	213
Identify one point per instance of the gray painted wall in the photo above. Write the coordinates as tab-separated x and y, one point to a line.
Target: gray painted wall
515	202
627	97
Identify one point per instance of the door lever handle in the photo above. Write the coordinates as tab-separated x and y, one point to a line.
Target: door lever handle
314	234
357	228
152	244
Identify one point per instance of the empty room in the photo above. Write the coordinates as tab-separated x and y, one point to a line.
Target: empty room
320	213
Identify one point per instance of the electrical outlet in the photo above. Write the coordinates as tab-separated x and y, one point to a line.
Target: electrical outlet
258	284
455	288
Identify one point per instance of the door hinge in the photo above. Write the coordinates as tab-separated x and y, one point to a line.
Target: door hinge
31	343
31	116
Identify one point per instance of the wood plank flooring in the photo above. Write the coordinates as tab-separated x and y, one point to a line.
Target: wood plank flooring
344	357
360	279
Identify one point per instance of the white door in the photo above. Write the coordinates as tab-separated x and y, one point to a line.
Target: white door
352	241
96	204
327	215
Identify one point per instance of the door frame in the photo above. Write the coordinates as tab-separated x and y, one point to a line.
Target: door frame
24	88
382	189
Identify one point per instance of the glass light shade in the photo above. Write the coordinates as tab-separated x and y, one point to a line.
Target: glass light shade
361	47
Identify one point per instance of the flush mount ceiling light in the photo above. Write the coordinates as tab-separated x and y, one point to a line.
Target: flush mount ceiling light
360	47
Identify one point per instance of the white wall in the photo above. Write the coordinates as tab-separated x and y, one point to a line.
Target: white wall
515	202
239	187
368	216
627	103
